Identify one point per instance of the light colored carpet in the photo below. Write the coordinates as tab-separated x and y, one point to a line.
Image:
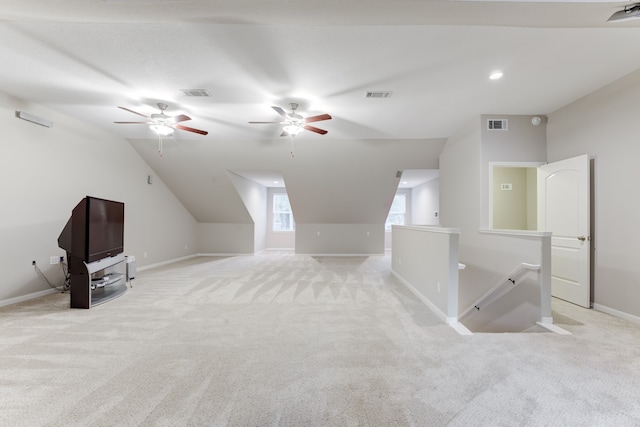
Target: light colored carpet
279	339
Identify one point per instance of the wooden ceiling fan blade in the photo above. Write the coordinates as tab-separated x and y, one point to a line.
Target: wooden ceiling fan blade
181	118
318	118
315	129
188	129
134	112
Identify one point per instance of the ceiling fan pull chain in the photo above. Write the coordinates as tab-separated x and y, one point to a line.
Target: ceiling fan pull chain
293	141
160	145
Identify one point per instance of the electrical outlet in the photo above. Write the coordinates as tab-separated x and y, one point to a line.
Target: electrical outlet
53	260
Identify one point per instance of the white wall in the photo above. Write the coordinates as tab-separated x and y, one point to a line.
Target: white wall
464	201
426	260
340	239
225	239
604	125
422	204
522	142
254	197
425	201
47	171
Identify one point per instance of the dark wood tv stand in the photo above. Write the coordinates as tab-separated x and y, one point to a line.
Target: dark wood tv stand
96	282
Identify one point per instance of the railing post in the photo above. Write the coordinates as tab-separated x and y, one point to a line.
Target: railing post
545	279
454	267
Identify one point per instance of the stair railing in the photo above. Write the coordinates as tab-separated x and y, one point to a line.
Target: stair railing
502	287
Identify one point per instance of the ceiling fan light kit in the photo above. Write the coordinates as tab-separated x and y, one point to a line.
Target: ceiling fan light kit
630	12
162	129
162	124
294	123
292	129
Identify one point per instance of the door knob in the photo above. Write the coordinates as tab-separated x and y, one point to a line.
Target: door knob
582	238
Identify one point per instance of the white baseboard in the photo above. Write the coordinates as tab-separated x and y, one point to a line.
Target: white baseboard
159	264
341	255
460	328
228	254
617	313
553	328
432	306
27	297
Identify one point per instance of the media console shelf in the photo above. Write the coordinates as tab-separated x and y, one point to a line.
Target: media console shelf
96	282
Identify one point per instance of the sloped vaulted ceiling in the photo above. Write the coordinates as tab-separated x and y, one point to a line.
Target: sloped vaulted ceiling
86	57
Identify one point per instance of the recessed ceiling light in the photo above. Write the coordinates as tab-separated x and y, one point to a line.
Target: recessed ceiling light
495	75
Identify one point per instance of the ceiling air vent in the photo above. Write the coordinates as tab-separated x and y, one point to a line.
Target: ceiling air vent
497	124
196	92
379	94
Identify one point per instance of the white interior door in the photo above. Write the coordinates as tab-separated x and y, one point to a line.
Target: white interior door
563	209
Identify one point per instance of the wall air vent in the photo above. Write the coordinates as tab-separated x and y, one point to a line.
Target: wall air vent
196	92
379	94
497	124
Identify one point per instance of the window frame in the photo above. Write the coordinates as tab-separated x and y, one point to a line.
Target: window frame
278	193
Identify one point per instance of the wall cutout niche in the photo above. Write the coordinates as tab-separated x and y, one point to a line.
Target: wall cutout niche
514	197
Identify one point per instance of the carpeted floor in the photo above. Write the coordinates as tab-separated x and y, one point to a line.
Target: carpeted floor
279	339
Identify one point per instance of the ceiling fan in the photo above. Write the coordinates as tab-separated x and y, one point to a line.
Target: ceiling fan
162	124
294	123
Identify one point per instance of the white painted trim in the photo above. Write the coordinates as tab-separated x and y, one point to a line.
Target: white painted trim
501	284
345	255
553	328
229	254
158	264
617	313
460	328
428	228
27	297
432	307
517	164
516	233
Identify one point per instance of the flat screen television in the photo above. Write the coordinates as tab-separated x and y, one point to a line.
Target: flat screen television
95	230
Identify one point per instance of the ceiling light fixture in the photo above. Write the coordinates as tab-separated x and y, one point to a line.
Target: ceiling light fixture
631	11
161	129
495	75
293	129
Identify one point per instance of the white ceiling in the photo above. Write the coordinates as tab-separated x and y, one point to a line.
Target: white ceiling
86	57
